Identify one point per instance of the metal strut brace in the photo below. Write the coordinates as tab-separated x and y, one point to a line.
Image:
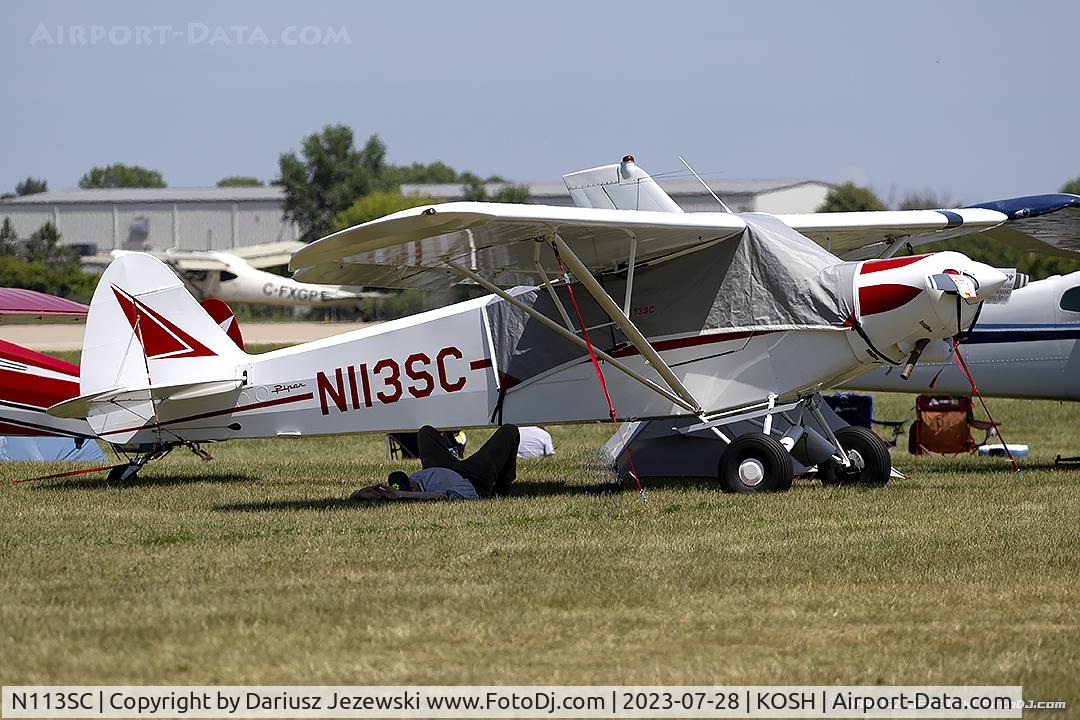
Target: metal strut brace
841	454
554	326
623	323
630	265
555	298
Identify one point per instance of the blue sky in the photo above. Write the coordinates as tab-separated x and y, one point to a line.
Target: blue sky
975	100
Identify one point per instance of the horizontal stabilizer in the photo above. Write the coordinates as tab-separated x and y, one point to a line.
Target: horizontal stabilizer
85	405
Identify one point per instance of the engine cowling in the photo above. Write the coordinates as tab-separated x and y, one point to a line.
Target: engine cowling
900	301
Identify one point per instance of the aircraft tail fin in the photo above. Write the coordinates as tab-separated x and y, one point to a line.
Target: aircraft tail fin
623	186
144	329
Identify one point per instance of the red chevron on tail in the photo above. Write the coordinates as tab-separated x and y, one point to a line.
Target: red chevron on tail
159	337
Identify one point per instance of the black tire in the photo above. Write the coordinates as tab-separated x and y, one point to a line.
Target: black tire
867	450
772	461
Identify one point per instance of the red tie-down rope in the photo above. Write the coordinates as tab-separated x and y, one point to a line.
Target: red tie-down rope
962	364
69	473
600	377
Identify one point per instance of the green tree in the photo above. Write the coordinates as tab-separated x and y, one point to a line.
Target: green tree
475	189
373	158
67	281
331	175
44	247
926	201
436	172
119	175
1073	186
239	181
9	239
31	186
850	197
511	194
376	205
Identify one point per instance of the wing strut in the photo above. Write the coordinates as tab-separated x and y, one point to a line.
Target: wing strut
572	337
624	323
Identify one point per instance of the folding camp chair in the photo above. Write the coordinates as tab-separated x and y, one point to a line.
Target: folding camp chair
943	425
405	445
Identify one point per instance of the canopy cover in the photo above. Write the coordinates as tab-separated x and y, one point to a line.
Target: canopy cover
765	279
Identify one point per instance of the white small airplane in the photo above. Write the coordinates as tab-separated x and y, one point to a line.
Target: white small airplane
712	316
236	277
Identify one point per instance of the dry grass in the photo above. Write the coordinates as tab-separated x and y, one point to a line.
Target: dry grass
254	569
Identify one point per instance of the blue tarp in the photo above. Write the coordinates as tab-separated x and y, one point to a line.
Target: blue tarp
48	448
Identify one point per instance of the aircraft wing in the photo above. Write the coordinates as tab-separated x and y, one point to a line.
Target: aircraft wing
860	235
1047	224
29	306
499	241
268	255
190	260
1039	223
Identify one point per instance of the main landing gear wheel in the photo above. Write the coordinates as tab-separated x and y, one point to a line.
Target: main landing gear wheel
871	463
755	463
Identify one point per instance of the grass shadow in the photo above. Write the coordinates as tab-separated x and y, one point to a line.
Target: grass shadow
521	489
320	504
103	482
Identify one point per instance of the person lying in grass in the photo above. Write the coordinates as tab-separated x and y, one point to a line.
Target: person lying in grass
486	473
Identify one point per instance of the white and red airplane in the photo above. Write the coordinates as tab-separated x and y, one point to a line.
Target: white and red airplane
30	382
714	316
1029	348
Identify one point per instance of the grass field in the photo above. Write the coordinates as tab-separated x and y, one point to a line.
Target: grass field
253	568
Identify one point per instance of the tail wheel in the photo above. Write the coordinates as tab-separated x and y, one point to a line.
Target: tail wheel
120	473
755	463
871	463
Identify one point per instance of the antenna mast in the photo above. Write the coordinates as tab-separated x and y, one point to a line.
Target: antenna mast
705	185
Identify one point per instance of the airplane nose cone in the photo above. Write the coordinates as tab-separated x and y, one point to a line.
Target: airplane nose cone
989	280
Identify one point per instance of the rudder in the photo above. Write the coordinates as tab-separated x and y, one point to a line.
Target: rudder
144	328
623	186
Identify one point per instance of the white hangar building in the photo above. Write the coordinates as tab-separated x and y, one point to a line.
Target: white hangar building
158	218
225	218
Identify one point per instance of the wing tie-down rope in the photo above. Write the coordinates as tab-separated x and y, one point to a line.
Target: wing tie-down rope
600	377
962	364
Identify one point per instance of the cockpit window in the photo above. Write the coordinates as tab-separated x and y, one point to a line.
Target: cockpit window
1070	299
226	276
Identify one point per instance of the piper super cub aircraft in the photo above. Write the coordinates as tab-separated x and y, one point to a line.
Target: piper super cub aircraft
709	315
